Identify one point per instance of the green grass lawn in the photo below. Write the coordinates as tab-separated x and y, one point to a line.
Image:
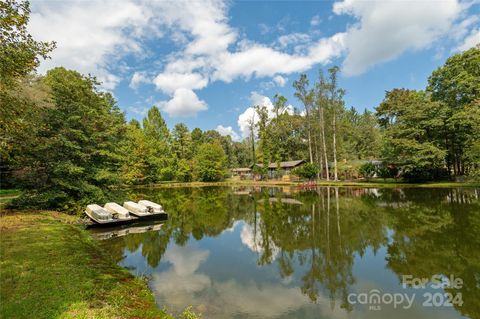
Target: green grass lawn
52	268
392	183
9	192
6	195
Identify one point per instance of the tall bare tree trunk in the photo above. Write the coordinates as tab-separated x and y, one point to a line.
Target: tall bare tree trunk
253	149
318	159
251	123
309	134
310	148
322	133
335	174
321	166
335	95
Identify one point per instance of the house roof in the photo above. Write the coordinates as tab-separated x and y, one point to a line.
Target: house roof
287	164
241	169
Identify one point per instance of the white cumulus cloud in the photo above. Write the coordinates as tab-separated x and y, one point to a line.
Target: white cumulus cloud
280	80
169	82
262	61
250	116
216	52
184	103
90	35
253	241
386	29
227	130
293	38
470	41
138	78
185	283
245	120
208	49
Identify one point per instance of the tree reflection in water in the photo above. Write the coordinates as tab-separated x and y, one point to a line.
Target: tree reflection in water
318	234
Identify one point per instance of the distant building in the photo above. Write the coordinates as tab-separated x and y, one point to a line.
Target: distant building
278	170
242	172
275	170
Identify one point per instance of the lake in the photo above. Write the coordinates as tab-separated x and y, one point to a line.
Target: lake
310	253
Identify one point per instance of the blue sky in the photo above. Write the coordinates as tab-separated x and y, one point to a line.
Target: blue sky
205	63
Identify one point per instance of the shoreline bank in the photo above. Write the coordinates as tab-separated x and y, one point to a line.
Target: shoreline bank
52	265
247	183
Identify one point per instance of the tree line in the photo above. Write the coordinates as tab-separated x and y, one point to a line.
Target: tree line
71	141
325	132
416	135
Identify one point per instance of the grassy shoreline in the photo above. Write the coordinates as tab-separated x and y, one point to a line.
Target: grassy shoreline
53	268
372	183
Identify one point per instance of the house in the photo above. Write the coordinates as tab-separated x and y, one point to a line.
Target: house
242	172
275	170
278	170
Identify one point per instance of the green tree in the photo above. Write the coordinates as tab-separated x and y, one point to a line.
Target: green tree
457	85
307	170
228	148
133	149
182	142
74	156
285	133
411	123
210	162
338	135
265	139
155	127
361	135
197	139
158	155
305	95
211	136
242	153
184	171
20	54
27	101
21	94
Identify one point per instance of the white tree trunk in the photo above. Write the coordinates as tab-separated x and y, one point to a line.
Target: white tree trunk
335	174
322	127
309	135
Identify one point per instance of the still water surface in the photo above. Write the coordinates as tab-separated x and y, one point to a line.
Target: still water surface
290	253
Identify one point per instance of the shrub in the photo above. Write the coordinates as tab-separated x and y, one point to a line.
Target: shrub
167	174
387	171
307	170
367	170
